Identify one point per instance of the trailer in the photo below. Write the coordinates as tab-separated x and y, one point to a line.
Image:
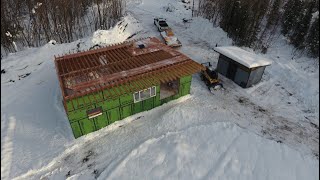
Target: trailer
170	39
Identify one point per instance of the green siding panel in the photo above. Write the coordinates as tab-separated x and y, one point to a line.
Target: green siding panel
126	111
76	129
158	89
166	100
87	125
147	104
185	79
126	99
185	88
109	93
114	108
113	115
176	96
79	113
86	100
99	96
109	104
69	106
96	97
101	121
137	107
157	101
79	103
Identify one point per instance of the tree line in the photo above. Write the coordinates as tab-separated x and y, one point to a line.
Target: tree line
32	23
256	23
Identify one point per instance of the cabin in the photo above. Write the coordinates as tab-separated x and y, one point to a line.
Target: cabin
108	84
242	67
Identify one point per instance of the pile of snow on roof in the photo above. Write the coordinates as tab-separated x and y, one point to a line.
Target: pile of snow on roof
243	57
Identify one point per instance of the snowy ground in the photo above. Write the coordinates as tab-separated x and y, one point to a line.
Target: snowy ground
269	131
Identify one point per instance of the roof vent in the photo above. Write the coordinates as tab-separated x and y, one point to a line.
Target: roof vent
141	46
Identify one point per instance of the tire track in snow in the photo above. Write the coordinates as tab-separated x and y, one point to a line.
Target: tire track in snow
262	120
117	163
223	160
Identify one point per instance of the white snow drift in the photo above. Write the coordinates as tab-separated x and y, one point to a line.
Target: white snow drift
196	137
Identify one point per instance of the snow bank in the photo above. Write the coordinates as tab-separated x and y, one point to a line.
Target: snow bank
124	29
217	151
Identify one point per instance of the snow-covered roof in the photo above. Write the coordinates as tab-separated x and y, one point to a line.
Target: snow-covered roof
243	57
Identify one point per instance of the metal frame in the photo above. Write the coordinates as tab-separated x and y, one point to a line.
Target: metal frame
127	66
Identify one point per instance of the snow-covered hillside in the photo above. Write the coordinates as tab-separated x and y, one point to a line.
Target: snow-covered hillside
269	131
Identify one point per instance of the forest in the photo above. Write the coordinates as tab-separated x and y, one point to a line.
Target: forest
257	23
30	23
252	23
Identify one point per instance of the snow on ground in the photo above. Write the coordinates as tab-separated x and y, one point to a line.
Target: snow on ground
269	131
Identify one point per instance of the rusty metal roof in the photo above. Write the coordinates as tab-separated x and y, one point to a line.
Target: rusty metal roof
134	65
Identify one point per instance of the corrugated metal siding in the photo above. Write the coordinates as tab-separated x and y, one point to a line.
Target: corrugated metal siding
255	76
241	77
118	108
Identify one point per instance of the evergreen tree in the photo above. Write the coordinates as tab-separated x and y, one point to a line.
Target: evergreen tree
312	40
241	20
300	30
291	14
274	14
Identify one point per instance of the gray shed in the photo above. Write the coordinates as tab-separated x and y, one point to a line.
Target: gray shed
242	67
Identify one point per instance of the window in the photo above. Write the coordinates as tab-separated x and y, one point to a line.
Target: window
136	96
94	112
153	91
144	94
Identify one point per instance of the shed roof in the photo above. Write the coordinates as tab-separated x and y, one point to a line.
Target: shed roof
129	64
243	57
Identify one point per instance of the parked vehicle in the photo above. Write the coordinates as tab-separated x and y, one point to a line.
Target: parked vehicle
161	24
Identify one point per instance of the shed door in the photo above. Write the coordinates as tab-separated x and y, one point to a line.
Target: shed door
241	77
232	71
223	66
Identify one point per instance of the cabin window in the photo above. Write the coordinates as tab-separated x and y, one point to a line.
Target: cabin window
94	112
169	89
136	96
144	94
153	91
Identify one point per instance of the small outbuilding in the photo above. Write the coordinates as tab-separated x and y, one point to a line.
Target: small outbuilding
105	85
242	67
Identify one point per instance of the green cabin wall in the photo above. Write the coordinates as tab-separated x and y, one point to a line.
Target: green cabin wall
114	109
